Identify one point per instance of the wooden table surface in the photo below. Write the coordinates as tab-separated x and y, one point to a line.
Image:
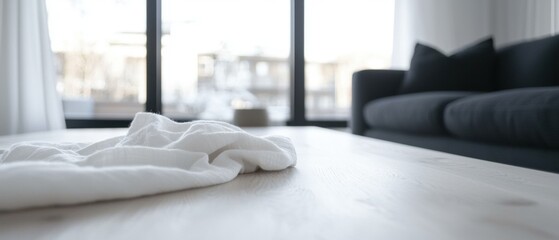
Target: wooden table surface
343	187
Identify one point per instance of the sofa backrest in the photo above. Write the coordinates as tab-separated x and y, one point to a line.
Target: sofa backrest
529	64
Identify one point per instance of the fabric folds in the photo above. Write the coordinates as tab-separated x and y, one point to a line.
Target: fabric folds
156	155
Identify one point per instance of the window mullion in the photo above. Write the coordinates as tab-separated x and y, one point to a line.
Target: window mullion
153	56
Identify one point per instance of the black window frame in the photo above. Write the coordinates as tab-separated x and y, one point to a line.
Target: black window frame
153	74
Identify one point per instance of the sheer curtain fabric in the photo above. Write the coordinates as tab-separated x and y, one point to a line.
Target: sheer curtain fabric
452	24
28	98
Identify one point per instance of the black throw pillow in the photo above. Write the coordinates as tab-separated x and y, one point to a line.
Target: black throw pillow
529	64
470	69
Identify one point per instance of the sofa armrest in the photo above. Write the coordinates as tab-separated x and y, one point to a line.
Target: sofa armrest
367	86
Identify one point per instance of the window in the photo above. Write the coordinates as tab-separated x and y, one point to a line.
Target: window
101	56
218	55
341	37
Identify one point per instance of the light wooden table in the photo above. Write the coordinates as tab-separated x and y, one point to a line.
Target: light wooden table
344	187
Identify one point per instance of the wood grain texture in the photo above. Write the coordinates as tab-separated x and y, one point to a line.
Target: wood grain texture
344	187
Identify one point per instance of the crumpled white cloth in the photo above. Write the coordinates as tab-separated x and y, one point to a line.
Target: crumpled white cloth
156	155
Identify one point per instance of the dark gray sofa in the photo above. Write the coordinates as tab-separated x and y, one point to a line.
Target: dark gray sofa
514	119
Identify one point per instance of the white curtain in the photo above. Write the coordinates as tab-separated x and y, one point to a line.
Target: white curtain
452	24
28	98
518	20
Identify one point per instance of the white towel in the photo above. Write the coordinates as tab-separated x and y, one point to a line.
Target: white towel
156	155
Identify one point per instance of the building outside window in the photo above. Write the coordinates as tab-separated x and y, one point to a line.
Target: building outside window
101	56
218	55
341	37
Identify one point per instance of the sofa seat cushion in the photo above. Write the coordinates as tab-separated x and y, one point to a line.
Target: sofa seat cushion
528	116
420	113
